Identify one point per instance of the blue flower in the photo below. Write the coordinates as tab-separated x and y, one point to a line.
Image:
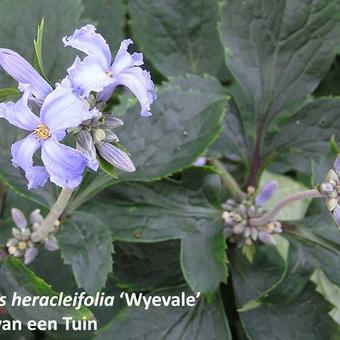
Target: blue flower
266	193
98	73
60	110
23	72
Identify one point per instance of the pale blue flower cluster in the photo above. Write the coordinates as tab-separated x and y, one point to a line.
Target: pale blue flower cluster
48	113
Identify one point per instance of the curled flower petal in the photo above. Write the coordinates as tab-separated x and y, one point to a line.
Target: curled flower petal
23	150
266	193
19	69
19	218
336	215
139	82
37	177
337	165
124	59
51	244
116	157
105	95
19	114
89	75
62	109
30	255
93	44
64	164
266	238
86	145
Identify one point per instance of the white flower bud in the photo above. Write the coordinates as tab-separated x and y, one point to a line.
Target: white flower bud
238	228
19	218
331	175
36	217
266	238
30	255
98	135
51	244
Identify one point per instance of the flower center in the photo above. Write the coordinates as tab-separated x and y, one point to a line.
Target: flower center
109	74
42	132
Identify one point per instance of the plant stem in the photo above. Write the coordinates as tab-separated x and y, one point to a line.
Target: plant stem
54	214
227	179
270	215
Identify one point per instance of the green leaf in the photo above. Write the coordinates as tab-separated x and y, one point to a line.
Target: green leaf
204	321
329	291
136	268
286	186
164	211
109	18
9	94
15	277
108	168
86	244
273	262
276	50
178	36
306	135
304	319
18	31
187	118
38	48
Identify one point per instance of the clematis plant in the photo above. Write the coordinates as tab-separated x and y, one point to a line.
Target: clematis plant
74	106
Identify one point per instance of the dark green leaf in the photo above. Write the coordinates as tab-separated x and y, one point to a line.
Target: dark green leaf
108	168
86	244
109	18
136	268
306	135
15	277
178	36
18	31
164	211
279	50
329	291
204	321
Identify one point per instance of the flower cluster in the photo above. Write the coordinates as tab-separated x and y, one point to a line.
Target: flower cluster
331	190
73	106
237	215
22	244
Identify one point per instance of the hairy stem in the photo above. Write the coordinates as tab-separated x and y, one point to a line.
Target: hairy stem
270	215
54	214
227	179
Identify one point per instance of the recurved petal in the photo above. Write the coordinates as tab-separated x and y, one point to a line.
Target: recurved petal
19	114
64	164
336	215
337	165
116	157
93	44
23	150
139	82
266	193
124	59
37	177
19	69
89	75
63	109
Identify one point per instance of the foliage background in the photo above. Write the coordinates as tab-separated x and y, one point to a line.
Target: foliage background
253	83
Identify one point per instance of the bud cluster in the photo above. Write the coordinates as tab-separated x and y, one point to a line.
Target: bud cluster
236	216
21	244
96	140
331	190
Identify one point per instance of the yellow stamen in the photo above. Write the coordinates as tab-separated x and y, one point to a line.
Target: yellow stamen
42	132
